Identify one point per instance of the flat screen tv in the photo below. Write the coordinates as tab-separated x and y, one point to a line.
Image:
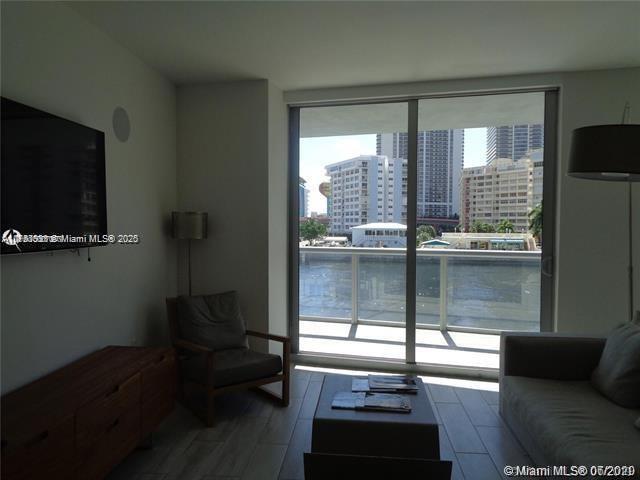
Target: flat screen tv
53	182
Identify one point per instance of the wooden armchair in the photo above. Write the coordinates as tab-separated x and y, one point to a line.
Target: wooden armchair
224	371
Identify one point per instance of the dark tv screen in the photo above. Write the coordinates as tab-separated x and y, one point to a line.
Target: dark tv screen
53	182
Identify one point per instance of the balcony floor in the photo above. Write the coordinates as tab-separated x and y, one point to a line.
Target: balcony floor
460	349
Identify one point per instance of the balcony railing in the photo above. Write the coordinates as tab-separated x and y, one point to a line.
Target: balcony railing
455	289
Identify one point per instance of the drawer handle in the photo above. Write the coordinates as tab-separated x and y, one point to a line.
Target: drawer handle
113	425
115	390
38	438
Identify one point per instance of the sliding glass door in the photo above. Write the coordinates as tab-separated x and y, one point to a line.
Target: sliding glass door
352	216
417	230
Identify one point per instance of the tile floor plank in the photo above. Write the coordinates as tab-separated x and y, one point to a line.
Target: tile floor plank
447	453
280	425
443	393
478	466
478	410
293	465
503	448
492	398
310	401
193	463
237	450
265	462
461	432
433	404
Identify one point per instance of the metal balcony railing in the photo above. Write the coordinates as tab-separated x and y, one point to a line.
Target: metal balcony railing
455	289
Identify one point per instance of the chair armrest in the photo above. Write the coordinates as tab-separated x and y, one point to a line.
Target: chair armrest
553	356
268	336
208	357
191	346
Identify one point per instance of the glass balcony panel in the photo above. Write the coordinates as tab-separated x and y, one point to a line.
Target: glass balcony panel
427	290
494	293
325	284
382	289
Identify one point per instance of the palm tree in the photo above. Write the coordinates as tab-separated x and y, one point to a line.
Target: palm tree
425	233
535	221
480	227
505	226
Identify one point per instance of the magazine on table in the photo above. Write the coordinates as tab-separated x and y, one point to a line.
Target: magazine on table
383	402
385	384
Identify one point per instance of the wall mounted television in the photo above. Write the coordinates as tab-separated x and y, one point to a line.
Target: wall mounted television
53	182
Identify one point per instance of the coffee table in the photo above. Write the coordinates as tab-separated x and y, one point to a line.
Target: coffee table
351	432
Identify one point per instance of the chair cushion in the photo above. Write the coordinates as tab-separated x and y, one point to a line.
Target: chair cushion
212	320
617	376
571	423
233	366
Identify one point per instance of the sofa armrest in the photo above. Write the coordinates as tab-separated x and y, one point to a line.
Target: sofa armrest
554	356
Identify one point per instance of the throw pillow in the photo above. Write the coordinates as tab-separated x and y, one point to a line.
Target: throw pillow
617	376
212	320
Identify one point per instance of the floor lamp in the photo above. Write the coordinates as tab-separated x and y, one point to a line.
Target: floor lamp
189	226
612	153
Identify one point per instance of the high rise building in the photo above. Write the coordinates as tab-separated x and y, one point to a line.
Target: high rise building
303	197
513	141
367	189
440	162
325	190
504	189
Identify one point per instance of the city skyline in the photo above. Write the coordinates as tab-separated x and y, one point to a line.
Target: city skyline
317	152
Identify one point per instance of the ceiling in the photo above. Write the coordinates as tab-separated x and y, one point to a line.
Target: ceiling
299	45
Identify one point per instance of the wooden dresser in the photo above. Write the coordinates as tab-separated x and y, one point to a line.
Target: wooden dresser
80	421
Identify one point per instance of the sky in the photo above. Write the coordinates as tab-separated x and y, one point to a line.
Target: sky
317	152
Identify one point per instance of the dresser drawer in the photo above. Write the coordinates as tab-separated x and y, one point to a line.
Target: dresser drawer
161	374
158	390
99	416
46	454
114	443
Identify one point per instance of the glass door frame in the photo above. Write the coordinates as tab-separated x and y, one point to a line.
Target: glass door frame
550	153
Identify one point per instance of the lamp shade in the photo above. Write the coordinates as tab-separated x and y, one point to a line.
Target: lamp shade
189	225
606	152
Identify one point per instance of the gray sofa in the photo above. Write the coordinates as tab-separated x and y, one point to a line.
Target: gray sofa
547	400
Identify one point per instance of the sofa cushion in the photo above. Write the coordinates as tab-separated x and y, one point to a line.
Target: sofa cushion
617	376
232	366
571	423
212	320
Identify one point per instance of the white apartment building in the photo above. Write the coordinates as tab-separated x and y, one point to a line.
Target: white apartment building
504	189
367	189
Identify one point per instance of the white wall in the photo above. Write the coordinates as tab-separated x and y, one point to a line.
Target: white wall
592	254
278	175
56	308
223	154
590	276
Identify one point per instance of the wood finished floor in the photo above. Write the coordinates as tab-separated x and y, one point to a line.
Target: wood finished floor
256	439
